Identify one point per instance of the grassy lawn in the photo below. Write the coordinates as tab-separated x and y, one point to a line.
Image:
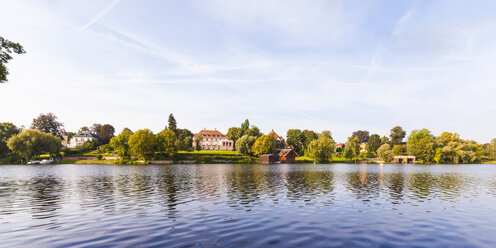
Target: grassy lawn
489	162
206	152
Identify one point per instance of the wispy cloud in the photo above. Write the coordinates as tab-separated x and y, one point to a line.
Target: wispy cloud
100	15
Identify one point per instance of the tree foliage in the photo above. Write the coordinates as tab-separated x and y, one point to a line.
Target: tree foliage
31	143
172	123
6	49
421	144
385	153
143	143
120	144
295	139
244	144
47	123
362	135
166	142
265	144
7	130
352	148
374	143
321	149
397	135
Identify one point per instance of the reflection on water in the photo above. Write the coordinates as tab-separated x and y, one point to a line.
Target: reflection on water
247	205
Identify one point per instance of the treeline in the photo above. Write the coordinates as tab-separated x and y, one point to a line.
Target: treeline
46	132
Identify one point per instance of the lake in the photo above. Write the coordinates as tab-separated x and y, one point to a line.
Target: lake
248	205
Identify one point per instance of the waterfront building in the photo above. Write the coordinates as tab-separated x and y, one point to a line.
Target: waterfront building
213	140
81	138
404	159
287	156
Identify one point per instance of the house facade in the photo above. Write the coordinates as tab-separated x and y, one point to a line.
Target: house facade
213	140
81	138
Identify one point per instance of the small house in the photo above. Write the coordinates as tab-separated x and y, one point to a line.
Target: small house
404	159
81	138
269	158
287	156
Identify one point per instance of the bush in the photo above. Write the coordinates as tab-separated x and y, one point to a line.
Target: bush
99	157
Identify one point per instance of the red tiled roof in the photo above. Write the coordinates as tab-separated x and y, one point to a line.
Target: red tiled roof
274	133
209	132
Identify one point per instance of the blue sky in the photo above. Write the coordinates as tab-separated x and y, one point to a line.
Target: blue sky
321	65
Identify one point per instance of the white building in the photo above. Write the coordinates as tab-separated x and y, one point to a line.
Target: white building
81	138
213	140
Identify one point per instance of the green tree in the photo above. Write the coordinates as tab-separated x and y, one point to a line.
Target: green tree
47	123
295	139
106	133
325	133
234	133
385	153
244	144
374	143
198	140
120	144
184	140
321	149
31	143
421	144
84	129
254	131
245	126
143	143
7	130
397	135
166	141
384	140
399	150
172	123
6	49
352	148
266	144
308	136
362	135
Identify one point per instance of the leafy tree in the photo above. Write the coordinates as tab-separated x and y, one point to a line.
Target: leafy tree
325	133
120	144
384	140
421	144
84	129
397	135
399	150
321	149
166	141
106	133
184	139
32	143
295	139
47	123
6	49
362	135
385	152
234	133
254	131
266	144
244	127
492	149
143	143
172	123
308	136
7	130
198	140
374	143
352	148
244	144
96	128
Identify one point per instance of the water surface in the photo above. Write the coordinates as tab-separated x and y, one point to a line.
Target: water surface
248	206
